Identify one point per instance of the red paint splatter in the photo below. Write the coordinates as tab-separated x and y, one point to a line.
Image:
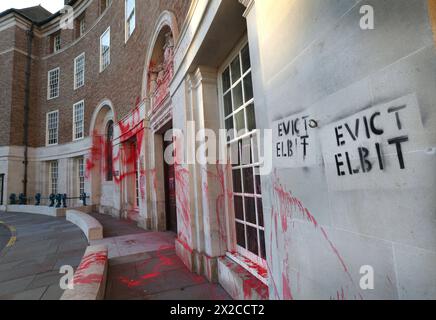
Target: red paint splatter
287	294
90	260
288	207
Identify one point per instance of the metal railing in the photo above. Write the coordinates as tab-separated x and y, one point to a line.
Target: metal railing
53	200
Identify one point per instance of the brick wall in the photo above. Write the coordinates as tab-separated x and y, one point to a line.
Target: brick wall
121	82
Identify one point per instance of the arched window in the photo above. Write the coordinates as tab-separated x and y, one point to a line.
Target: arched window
109	153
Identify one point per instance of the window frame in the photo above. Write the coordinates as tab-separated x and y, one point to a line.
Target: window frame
81	175
49	97
127	18
231	219
55	43
51	177
77	104
108	30
47	133
75	71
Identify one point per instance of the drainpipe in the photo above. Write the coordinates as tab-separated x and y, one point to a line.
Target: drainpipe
30	35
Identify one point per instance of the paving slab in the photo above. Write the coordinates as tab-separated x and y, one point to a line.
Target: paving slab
29	270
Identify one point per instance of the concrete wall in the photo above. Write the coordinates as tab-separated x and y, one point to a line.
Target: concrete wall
311	59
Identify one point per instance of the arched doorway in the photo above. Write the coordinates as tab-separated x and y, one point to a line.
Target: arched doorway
99	164
158	75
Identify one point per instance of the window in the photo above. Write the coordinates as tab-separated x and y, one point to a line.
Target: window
130	19
239	120
53	84
80	26
104	4
109	152
54	175
105	50
81	172
56	42
78	120
79	71
52	128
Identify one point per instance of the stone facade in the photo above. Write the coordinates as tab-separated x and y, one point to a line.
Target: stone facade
352	143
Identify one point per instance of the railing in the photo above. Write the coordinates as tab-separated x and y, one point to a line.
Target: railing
53	200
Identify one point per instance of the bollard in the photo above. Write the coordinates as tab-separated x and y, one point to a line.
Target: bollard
64	200
13	198
58	200
22	199
83	198
52	199
38	199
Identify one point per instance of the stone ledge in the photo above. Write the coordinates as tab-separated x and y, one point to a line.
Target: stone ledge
239	283
42	210
92	229
90	277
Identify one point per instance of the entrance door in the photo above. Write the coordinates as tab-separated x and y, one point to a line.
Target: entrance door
170	194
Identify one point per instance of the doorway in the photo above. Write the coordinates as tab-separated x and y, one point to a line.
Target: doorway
170	186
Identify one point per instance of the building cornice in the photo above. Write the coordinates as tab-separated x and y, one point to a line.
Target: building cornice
248	4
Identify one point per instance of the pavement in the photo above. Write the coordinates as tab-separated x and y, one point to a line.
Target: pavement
5	236
29	268
144	266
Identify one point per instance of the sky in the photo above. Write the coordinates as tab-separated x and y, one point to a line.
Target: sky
50	5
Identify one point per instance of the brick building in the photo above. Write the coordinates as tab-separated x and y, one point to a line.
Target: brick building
88	95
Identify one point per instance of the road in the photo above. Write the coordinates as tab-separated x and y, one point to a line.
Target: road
29	267
5	236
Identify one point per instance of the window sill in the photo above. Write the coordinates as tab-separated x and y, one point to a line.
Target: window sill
254	269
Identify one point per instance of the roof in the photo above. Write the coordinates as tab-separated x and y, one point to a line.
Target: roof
35	14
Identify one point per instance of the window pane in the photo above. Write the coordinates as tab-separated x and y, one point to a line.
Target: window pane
236	70
130	6
237	96
234	154
237	182
240	122
260	212
248	180
253	245
248	87
250	210
239	209
240	234
246	151
229	124
262	244
226	80
246	64
258	184
251	118
228	104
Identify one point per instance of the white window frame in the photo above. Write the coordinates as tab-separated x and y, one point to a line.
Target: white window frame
127	18
47	132
230	214
54	181
76	86
75	132
49	91
81	175
102	68
57	42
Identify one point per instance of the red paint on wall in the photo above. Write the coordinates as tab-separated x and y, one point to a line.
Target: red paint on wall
288	207
287	294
